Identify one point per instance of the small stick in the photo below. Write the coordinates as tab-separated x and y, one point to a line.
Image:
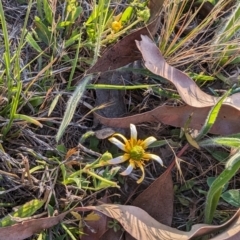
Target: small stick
26	165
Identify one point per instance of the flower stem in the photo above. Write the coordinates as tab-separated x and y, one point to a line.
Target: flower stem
113	184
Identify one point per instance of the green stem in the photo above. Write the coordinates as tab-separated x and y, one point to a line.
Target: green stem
113	184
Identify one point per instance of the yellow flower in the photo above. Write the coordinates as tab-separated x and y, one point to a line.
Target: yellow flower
134	152
117	26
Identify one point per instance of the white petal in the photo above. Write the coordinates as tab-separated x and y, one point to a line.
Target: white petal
118	160
121	136
148	141
117	143
127	171
133	131
143	174
154	157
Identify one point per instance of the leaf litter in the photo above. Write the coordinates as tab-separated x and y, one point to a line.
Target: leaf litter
93	230
157	199
198	102
134	220
142	226
178	118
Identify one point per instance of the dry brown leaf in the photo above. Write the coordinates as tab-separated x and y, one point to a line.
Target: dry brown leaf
231	233
137	222
157	199
133	219
95	229
111	235
142	226
231	229
199	103
70	152
125	51
226	123
26	229
190	93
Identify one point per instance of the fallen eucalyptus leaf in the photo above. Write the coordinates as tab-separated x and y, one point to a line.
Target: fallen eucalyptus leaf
26	229
157	199
133	219
190	93
142	226
199	103
225	124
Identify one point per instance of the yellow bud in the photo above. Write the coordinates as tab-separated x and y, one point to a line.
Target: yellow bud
116	26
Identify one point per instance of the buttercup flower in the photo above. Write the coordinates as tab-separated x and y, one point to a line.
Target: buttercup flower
116	26
117	23
134	152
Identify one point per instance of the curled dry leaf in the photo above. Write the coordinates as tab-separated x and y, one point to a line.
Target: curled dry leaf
231	233
157	199
190	93
104	133
26	229
142	226
133	219
198	102
226	123
95	229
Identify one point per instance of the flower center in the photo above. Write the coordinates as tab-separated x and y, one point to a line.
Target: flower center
136	153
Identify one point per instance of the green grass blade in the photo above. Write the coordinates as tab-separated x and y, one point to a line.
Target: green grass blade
53	104
48	11
118	87
75	61
68	232
215	190
13	110
72	104
16	91
6	56
26	210
225	44
102	13
31	41
212	116
231	27
27	119
40	8
72	40
222	141
43	32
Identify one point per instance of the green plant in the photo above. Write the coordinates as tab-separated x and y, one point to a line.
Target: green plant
215	191
100	179
114	224
26	210
58	42
53	31
224	43
11	77
232	164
